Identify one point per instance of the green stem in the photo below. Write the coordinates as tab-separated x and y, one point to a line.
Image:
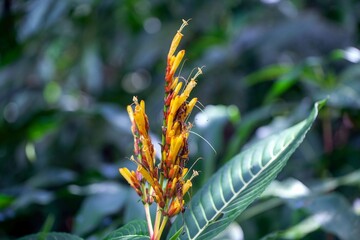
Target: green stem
148	219
163	224
157	223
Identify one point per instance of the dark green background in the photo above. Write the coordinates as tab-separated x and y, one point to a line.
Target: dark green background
68	68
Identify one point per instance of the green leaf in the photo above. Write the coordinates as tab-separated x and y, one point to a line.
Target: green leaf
51	236
109	200
240	182
177	234
268	73
335	215
134	230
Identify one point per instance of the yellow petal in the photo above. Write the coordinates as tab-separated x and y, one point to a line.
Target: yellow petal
127	175
130	112
177	38
190	106
175	43
186	187
146	175
177	61
189	88
174	83
177	88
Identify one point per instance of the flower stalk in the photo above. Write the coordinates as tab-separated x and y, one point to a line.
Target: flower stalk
164	182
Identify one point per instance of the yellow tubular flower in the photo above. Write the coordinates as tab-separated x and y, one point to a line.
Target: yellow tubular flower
189	88
175	83
173	185
175	207
177	88
130	112
186	187
140	119
146	175
190	106
177	61
176	144
127	175
175	43
142	105
173	171
177	38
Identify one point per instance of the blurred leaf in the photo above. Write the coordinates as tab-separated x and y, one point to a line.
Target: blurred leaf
268	73
115	116
297	231
232	232
344	95
52	177
51	236
136	230
296	192
92	66
226	194
288	189
33	196
134	207
330	212
99	205
284	83
5	201
209	125
248	123
48	224
335	215
42	126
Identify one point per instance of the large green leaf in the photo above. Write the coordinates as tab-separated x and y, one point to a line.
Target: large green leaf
51	236
239	182
134	230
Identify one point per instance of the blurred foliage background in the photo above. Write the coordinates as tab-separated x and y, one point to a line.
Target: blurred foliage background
69	68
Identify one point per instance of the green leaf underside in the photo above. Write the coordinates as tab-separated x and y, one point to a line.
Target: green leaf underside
239	182
136	230
51	236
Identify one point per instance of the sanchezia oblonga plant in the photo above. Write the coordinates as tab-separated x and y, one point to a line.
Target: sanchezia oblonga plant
165	183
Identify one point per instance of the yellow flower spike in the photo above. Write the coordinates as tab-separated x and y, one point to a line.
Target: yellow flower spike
177	61
190	106
147	176
177	38
186	187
